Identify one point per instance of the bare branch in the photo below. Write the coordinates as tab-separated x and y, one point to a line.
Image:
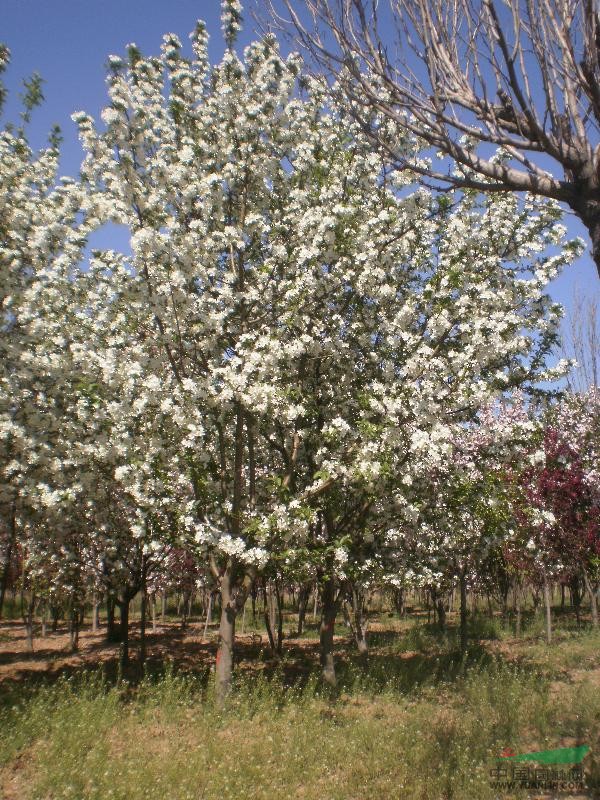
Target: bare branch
461	75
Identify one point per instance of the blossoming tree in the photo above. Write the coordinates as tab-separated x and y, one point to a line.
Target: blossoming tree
294	338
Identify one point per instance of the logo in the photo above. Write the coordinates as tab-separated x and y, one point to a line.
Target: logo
545	770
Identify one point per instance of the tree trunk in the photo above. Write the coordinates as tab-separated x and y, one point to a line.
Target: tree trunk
29	634
95	612
592	595
184	609
55	614
576	597
267	617
253	594
589	211
143	613
505	590
74	628
441	613
12	537
303	598
463	612
111	629
328	615
548	603
272	614
355	619
398	597
279	597
224	665
208	615
518	610
124	631
535	596
27	610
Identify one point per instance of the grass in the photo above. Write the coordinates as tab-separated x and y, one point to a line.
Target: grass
383	735
418	721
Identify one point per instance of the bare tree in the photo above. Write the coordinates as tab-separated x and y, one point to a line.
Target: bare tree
581	341
467	77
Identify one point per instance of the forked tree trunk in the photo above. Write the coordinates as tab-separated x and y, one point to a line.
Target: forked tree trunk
272	614
328	615
354	612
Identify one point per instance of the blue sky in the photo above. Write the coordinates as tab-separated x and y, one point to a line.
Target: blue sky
68	41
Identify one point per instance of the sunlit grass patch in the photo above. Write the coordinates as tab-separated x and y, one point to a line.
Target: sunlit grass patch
82	739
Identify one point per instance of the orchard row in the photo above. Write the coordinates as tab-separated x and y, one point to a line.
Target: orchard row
304	367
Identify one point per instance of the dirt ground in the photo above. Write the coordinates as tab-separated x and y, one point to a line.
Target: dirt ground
186	648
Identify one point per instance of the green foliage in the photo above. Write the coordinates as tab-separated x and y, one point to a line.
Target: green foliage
32	96
4	59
